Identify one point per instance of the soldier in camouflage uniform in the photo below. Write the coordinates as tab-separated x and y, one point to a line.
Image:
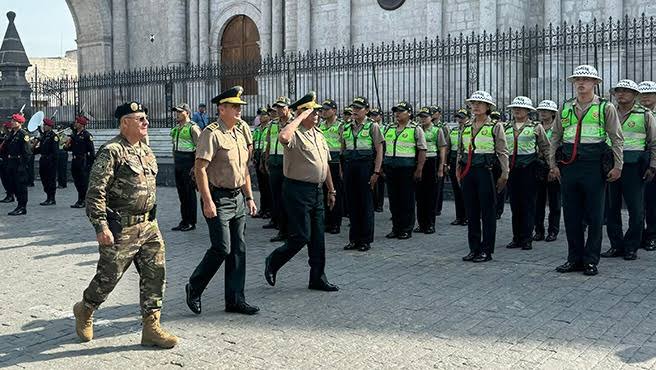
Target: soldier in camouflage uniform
120	204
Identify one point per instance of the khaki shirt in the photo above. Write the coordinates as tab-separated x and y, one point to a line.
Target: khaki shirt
650	129
306	156
227	152
246	130
613	130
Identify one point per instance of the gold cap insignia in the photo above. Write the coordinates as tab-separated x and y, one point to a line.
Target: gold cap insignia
134	107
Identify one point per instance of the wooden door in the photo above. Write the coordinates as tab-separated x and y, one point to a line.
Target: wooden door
240	54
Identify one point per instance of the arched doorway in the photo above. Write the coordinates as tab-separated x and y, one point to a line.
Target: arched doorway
240	54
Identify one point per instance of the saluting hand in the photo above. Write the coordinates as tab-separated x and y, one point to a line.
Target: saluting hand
209	209
613	175
105	238
252	207
649	174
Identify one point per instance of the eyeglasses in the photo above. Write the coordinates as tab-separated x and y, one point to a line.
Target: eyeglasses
141	119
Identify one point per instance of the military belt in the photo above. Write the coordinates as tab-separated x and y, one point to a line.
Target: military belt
134	219
226	191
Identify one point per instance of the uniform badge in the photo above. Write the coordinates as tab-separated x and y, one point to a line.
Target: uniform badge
405	134
631	124
564	121
595	114
486	131
26	138
134	107
90	138
56	138
365	133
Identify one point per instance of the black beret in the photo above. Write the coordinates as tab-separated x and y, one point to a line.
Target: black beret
232	96
128	108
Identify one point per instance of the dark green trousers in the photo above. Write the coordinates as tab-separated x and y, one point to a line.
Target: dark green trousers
629	187
478	188
583	193
278	214
228	244
304	204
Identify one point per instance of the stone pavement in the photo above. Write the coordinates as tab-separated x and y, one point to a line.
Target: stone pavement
404	304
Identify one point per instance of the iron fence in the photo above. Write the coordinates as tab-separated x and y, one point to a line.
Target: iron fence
531	61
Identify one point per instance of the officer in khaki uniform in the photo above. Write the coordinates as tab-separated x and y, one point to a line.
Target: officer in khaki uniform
639	154
648	100
306	170
224	184
331	127
405	155
120	203
581	158
273	153
428	186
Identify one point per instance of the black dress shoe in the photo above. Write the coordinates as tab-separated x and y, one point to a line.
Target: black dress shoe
278	238
323	286
630	256
188	227
469	257
456	222
650	245
392	235
498	217
177	228
430	230
351	246
19	211
48	202
364	247
464	223
269	274
242	308
8	199
569	267
513	245
270	225
419	229
78	205
482	257
527	246
551	237
333	230
590	270
538	237
404	235
612	252
193	300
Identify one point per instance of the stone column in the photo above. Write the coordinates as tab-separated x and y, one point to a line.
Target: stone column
120	50
487	15
277	32
552	13
303	27
192	31
204	31
344	23
177	39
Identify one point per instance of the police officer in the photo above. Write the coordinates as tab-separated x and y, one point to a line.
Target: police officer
331	127
462	115
405	155
436	117
496	171
121	207
379	190
4	173
648	100
62	161
306	170
224	183
482	146
547	189
639	155
18	149
523	138
80	143
432	173
258	148
184	137
274	161
347	114
583	162
48	146
362	151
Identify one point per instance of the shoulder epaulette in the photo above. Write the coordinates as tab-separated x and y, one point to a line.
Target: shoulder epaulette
212	126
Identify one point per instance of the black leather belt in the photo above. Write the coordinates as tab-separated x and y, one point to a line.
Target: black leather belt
226	192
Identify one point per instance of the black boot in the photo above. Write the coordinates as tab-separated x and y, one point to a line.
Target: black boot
18	211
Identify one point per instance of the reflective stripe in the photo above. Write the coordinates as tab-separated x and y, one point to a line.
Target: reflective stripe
454	137
274	146
484	140
182	139
401	145
635	132
332	135
592	125
431	141
362	141
526	141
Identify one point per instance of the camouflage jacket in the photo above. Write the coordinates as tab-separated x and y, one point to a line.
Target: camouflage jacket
123	179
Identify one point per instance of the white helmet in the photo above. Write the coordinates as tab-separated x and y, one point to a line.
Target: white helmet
584	71
548	105
647	87
627	84
522	102
482	96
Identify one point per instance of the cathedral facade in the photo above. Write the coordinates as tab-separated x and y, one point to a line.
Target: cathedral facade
118	35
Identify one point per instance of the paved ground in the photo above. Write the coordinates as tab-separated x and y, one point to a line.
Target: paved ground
404	304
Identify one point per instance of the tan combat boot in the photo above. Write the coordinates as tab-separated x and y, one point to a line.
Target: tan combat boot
154	335
83	321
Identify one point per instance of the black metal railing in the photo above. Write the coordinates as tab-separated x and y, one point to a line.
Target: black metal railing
531	61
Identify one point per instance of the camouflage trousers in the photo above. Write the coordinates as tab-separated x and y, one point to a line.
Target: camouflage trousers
142	244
